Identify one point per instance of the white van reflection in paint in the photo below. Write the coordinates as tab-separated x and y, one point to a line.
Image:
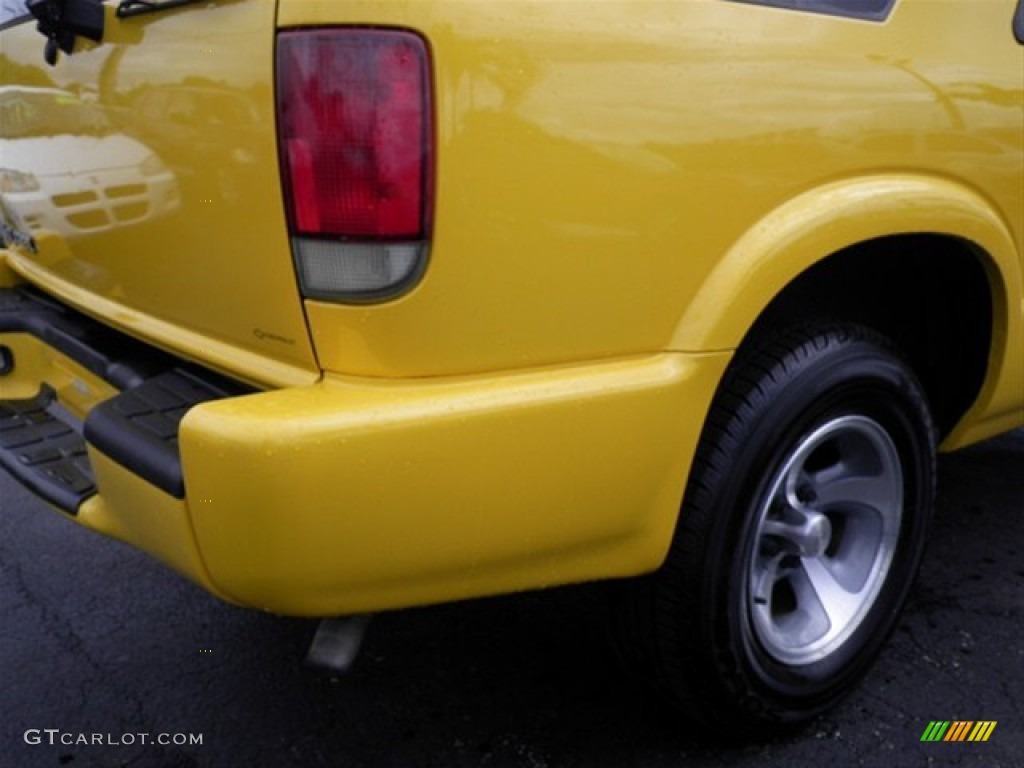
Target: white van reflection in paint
63	167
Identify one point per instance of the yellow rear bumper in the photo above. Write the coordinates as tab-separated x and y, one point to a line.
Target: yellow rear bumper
357	495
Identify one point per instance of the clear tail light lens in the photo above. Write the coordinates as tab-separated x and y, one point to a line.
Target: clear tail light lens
356	135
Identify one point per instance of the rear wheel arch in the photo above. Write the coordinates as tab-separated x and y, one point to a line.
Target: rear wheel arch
936	297
857	250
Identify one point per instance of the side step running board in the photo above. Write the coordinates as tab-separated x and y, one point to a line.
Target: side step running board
44	446
139	428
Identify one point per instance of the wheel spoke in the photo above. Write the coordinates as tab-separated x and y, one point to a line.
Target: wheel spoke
768	571
840	605
874	491
777	528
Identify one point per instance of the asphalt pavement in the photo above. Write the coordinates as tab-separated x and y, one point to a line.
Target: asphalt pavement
107	659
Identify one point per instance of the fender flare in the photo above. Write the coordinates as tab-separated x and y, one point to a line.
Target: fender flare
822	221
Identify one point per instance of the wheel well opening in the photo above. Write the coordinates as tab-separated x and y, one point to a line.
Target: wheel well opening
929	294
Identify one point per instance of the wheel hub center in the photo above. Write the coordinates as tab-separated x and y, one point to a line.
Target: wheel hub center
814	536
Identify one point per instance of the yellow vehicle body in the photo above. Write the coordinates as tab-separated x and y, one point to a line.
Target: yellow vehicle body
623	189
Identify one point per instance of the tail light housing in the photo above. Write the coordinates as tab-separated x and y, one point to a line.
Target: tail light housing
355	129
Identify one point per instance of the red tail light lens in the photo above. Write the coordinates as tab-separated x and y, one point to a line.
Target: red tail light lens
355	127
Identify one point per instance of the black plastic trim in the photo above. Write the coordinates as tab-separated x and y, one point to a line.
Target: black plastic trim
15	21
41	445
113	356
137	428
128	8
869	10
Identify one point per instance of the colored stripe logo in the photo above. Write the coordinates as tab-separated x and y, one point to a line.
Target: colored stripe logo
958	730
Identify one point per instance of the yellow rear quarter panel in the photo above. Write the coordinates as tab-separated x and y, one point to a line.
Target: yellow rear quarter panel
598	161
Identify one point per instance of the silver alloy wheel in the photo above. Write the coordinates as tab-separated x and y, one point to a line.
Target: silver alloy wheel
825	538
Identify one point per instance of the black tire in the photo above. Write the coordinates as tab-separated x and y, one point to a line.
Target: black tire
782	582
